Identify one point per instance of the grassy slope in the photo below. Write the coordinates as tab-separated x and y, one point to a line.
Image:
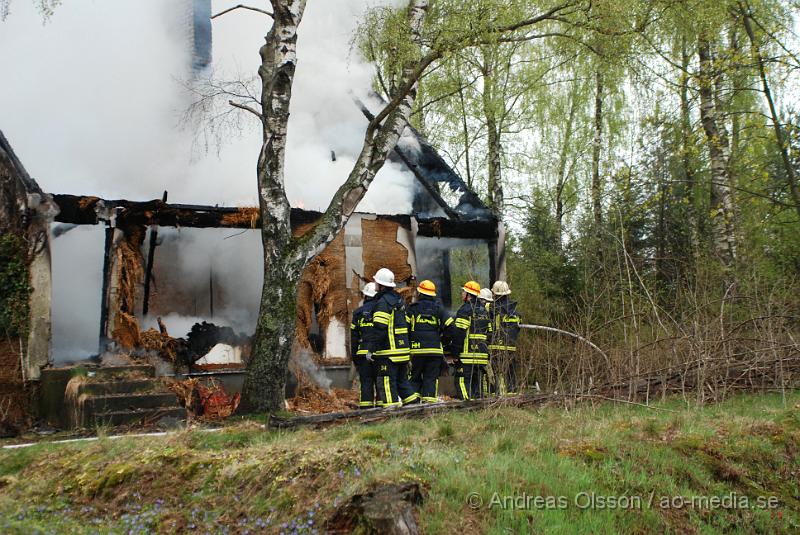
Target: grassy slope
245	479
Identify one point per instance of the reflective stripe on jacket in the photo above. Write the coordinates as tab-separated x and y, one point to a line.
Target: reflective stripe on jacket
388	336
427	320
470	333
506	321
362	322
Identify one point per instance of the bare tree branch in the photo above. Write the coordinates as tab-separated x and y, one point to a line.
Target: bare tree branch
242	6
246	108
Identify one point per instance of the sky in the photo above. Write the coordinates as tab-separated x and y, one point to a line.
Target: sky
93	102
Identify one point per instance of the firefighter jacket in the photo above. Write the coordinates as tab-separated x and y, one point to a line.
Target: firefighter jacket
362	322
427	321
470	333
505	325
388	336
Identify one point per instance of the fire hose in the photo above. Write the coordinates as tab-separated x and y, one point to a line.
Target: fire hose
573	335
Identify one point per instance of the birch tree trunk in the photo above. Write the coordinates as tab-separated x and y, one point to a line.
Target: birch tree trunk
780	138
561	178
494	147
597	188
284	256
275	328
686	150
721	202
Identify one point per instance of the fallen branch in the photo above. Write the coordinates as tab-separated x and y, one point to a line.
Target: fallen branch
617	400
369	416
581	338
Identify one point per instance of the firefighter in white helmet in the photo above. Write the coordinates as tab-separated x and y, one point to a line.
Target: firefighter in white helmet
387	343
503	346
362	322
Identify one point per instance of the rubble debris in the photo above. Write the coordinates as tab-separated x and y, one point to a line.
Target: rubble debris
386	508
309	396
206	402
168	348
179	351
186	392
204	336
130	336
322	293
216	402
314	399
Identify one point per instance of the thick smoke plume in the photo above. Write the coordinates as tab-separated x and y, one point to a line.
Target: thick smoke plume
92	102
98	95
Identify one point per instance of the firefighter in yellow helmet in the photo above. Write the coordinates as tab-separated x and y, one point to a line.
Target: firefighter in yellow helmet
469	336
427	321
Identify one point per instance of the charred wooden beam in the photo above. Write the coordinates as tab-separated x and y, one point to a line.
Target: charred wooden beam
442	227
148	272
85	210
108	256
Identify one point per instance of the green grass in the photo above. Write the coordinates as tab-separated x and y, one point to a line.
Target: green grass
244	478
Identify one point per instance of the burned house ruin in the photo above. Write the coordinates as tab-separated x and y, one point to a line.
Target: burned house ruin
123	277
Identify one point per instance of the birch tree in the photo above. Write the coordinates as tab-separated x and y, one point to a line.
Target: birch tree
286	256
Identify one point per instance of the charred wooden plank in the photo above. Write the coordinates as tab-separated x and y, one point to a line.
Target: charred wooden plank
87	210
442	227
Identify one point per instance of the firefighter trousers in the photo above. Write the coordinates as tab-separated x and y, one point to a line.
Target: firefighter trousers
367	379
394	387
468	381
386	371
407	392
425	376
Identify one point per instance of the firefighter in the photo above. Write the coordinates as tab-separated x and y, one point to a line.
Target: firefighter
362	321
427	321
489	380
469	342
387	344
503	346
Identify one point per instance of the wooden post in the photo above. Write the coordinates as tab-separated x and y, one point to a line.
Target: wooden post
150	255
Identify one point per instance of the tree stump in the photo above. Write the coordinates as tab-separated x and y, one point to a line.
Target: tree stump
386	509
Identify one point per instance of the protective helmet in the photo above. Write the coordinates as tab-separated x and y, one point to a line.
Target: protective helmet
472	288
384	277
501	288
370	289
427	287
486	295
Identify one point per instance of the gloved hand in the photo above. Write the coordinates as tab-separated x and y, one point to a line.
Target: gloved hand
369	356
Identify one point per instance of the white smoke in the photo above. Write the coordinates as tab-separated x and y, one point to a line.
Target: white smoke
77	269
92	102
